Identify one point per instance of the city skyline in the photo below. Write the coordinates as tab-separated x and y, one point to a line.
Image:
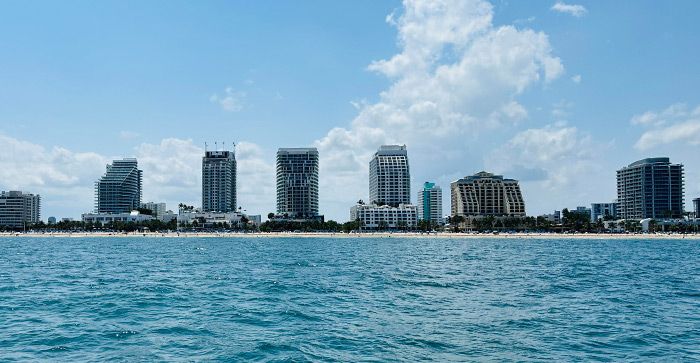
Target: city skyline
579	97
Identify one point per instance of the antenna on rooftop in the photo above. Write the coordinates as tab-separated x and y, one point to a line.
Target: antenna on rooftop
205	146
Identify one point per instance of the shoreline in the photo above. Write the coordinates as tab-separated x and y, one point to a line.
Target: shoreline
440	235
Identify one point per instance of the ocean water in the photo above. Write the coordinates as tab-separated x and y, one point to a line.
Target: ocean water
314	299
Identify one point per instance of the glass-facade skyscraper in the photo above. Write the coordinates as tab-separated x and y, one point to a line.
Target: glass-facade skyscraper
650	188
119	190
219	181
297	182
429	203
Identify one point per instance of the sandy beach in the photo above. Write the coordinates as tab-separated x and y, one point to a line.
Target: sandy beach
592	236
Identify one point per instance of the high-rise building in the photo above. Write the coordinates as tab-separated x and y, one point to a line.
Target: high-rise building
18	209
119	190
429	203
602	210
486	194
297	182
389	176
219	181
696	207
650	188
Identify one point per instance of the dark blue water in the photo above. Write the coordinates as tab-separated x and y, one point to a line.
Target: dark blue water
295	299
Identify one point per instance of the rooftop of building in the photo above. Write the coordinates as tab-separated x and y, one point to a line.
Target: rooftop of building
219	154
15	193
659	160
385	206
125	161
297	150
388	150
482	175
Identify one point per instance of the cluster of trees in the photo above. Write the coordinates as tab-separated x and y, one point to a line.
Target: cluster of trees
185	207
201	224
152	225
571	222
491	223
284	225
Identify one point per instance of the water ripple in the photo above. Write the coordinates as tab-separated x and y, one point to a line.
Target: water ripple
295	299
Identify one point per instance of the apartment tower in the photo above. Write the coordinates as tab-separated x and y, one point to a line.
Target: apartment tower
219	181
297	182
650	188
119	189
18	209
389	176
429	203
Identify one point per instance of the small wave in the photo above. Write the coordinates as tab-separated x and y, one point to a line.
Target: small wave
296	314
60	348
426	343
121	334
181	331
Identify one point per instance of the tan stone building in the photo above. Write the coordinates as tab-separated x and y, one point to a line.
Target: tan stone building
486	194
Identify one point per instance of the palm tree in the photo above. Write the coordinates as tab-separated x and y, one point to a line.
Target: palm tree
455	221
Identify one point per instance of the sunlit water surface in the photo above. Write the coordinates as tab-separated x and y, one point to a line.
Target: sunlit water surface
299	299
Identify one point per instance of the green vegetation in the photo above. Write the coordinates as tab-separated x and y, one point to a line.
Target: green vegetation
80	226
282	225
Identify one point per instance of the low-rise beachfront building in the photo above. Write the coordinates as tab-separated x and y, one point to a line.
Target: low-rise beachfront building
157	209
603	210
255	219
552	217
106	218
584	211
372	216
216	219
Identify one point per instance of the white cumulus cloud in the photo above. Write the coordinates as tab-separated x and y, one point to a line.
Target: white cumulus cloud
231	100
455	76
555	161
171	173
677	124
571	9
61	176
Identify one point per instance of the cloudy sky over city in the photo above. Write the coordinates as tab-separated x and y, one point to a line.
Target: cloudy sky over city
556	94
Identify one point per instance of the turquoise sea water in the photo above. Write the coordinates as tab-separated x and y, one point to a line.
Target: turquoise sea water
313	299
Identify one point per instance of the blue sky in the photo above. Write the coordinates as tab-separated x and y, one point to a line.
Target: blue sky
556	94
